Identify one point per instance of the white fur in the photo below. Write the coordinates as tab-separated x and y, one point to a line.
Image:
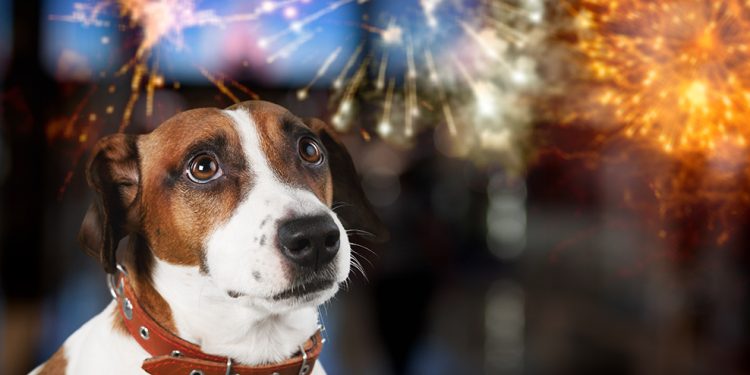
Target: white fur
252	328
96	348
222	325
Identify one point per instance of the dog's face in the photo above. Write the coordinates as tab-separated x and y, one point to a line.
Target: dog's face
244	194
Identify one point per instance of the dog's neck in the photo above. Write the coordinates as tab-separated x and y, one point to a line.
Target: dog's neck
222	325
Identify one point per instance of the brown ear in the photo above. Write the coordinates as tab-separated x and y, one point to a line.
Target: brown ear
353	208
113	173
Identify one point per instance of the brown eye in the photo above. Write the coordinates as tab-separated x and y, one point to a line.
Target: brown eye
203	168
309	151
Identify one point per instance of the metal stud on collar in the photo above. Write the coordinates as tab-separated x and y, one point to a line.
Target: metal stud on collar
127	308
322	330
196	372
144	332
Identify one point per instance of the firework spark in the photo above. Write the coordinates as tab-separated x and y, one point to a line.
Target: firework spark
674	72
467	65
163	20
464	64
665	86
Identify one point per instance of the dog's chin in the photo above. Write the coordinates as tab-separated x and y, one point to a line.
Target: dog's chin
298	296
307	294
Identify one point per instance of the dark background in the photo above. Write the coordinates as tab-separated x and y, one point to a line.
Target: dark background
486	272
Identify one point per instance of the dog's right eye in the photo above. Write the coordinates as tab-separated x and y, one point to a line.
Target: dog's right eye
204	168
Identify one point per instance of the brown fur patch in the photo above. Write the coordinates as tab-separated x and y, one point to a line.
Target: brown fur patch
118	324
138	262
155	305
179	214
56	365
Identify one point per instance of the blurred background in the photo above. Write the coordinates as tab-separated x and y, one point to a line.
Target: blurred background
520	244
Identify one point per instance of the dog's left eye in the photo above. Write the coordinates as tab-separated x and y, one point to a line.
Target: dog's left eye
204	168
310	151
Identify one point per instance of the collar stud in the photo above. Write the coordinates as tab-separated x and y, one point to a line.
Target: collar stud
127	308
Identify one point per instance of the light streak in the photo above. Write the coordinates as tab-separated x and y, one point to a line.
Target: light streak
297	26
384	126
302	93
339	81
288	49
219	83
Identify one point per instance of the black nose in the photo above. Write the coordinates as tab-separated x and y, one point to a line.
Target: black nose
310	241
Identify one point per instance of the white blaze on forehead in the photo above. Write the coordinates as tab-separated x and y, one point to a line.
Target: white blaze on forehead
264	178
248	133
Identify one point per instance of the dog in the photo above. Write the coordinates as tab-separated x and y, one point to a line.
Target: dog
230	242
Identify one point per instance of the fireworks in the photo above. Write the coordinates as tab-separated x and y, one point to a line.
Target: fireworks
666	83
159	21
465	66
674	72
673	75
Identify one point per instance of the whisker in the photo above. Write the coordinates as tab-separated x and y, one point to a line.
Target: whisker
336	205
360	231
325	308
358	266
364	247
363	257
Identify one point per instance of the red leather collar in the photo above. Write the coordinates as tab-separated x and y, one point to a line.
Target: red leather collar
175	356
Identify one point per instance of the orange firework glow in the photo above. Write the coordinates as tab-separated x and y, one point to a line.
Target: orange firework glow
676	72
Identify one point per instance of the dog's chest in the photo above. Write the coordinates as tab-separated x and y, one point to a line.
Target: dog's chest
97	348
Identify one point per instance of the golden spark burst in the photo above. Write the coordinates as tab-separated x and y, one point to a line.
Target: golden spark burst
667	84
676	72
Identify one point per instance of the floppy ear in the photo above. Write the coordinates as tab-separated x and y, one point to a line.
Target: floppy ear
113	173
355	212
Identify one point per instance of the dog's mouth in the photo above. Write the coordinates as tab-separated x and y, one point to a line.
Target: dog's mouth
304	289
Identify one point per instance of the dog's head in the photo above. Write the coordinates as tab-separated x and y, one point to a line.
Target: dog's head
246	195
